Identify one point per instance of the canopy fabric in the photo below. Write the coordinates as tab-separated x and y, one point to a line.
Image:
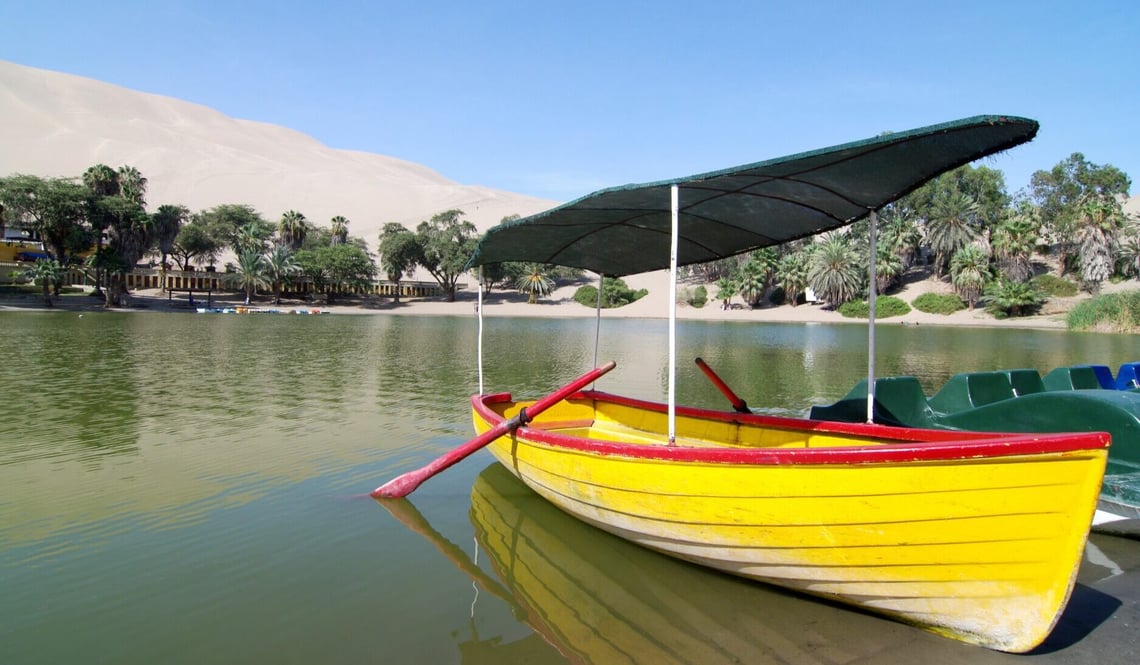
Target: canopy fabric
626	230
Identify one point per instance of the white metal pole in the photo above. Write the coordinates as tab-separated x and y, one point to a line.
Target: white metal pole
673	242
871	321
479	314
598	318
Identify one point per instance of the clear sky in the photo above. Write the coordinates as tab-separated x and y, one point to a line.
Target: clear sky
558	98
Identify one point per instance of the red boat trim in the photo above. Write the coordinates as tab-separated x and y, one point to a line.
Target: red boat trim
925	445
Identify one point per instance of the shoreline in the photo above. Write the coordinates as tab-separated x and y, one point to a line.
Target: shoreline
560	304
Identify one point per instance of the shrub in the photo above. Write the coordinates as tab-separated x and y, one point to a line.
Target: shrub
615	293
1112	312
938	303
1005	298
1051	285
885	307
695	297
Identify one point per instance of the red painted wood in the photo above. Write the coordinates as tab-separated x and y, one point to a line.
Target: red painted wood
737	404
906	444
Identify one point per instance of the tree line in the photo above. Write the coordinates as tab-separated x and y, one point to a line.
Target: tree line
971	230
964	223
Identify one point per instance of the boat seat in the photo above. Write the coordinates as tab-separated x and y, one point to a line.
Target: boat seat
1025	381
1103	376
1071	378
899	400
1128	378
971	390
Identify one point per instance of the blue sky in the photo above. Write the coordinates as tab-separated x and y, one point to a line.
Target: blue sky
559	98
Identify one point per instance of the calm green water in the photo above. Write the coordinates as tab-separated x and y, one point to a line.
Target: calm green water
182	488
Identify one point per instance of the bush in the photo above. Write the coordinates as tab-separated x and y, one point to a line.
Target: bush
695	297
938	303
1114	312
885	307
615	293
1051	285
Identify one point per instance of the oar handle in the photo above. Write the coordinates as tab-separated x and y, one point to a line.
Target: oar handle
408	482
737	404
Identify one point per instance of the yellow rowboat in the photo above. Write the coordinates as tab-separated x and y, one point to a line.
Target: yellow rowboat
975	536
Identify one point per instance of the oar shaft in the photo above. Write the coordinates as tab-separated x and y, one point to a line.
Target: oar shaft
408	482
737	403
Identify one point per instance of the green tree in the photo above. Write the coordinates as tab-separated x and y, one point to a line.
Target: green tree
339	230
400	251
1014	240
1062	191
337	268
834	272
280	267
250	274
969	271
292	229
251	237
792	275
130	236
223	221
167	223
952	224
48	273
447	242
56	209
1098	225
195	241
132	185
535	282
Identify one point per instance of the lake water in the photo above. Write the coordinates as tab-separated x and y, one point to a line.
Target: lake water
182	488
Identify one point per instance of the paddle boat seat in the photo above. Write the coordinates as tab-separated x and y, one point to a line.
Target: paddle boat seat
1025	381
971	390
1103	376
1072	378
1127	378
899	401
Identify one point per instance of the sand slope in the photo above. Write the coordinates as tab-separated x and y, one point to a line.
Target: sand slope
59	125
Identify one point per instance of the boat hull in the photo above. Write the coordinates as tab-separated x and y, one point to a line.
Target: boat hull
975	536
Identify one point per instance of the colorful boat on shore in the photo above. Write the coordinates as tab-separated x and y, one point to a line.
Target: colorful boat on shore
1081	398
975	536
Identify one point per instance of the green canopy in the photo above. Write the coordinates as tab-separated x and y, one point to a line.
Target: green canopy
626	230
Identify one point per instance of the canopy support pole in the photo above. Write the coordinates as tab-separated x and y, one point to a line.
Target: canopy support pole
479	314
871	320
673	242
598	320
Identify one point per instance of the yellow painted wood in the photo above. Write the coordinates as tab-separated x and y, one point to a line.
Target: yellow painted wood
984	549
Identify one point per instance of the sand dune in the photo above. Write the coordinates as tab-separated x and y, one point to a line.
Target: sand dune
59	125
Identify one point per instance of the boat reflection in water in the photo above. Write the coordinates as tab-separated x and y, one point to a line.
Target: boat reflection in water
599	599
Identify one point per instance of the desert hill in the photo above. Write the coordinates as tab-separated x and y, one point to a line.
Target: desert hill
59	125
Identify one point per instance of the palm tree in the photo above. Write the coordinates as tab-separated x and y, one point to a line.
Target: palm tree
792	275
534	282
1014	240
751	281
834	272
969	271
132	185
339	230
167	222
888	268
250	273
952	224
1099	221
292	229
101	180
280	266
250	238
47	272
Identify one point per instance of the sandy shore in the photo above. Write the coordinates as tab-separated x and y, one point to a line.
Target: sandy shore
560	303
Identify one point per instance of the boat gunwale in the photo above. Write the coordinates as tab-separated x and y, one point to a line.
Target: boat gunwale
933	446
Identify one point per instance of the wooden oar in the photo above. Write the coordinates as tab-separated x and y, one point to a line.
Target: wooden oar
738	404
407	483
